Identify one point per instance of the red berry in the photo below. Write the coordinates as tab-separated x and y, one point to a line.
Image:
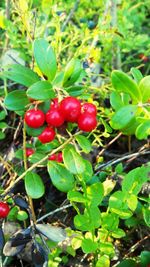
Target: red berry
52	157
70	108
54	103
34	118
90	108
54	117
59	157
29	152
47	135
87	122
4	209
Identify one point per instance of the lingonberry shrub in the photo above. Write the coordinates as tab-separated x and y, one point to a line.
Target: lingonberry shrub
61	102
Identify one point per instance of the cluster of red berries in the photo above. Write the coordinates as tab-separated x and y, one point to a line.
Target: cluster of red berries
56	157
4	210
70	109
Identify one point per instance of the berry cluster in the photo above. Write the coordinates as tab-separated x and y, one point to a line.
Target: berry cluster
70	109
56	157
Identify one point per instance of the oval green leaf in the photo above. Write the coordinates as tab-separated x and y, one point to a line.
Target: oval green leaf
84	143
61	178
123	83
72	160
34	185
45	58
41	90
123	117
16	100
144	87
21	74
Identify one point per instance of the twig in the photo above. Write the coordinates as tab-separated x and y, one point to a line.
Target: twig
38	163
70	15
53	212
110	143
136	245
113	162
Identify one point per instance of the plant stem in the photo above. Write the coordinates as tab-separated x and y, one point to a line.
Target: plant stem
38	163
26	169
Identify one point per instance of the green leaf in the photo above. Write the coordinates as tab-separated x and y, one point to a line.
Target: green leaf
137	75
127	263
144	87
34	132
34	185
95	194
75	90
84	143
61	178
123	117
134	180
143	130
118	233
107	248
2	115
22	215
72	160
88	172
132	202
3	125
2	135
103	261
123	83
146	215
16	100
110	221
76	196
21	74
72	72
45	58
145	258
36	157
41	90
89	220
118	205
89	246
116	101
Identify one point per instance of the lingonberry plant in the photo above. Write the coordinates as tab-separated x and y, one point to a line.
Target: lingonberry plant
59	125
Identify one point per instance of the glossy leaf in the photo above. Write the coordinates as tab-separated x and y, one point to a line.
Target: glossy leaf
16	100
103	261
21	74
123	83
143	130
123	117
127	263
116	101
34	131
72	160
118	205
137	75
41	90
61	178
133	181
72	72
84	143
146	216
34	185
95	193
144	87
76	197
45	58
89	246
89	220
